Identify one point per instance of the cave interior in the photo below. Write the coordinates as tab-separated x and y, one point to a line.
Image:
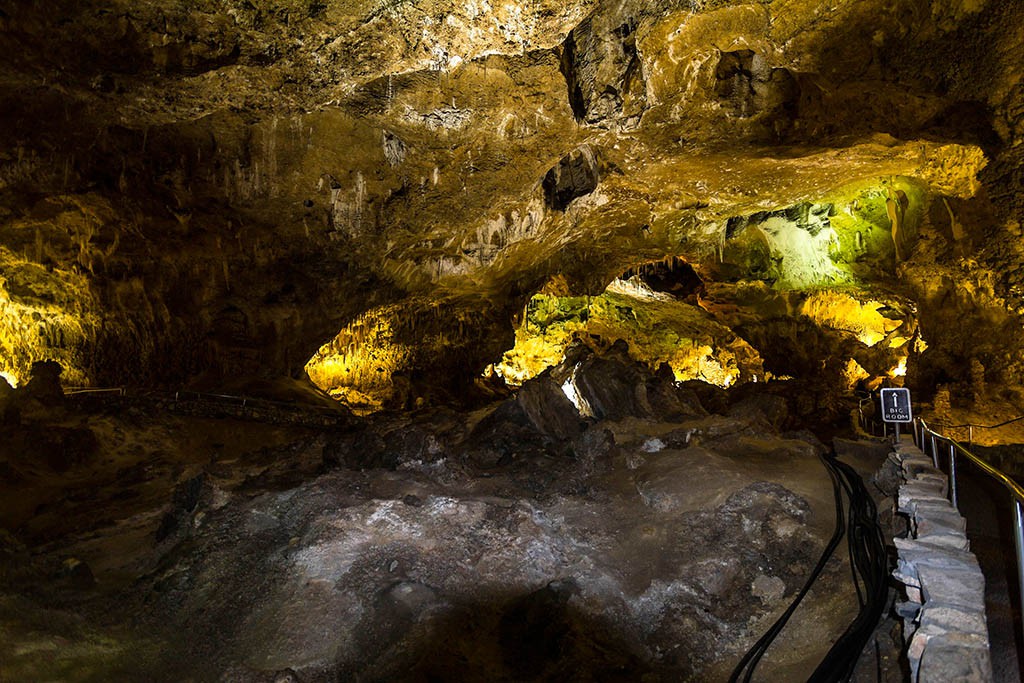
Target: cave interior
415	340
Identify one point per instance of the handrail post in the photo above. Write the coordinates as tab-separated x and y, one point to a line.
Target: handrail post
952	475
1018	533
935	453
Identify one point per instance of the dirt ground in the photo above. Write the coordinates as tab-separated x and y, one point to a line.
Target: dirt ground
142	545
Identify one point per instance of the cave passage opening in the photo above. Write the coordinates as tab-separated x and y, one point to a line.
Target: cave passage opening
797	291
653	307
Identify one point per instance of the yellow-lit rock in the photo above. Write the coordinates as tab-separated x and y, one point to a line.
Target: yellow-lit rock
224	190
657	329
841	311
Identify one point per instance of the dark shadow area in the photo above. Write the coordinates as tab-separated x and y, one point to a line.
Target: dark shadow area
540	636
575	175
672	276
987	506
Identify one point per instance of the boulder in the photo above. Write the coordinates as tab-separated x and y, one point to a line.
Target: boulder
548	409
772	410
667	401
613	387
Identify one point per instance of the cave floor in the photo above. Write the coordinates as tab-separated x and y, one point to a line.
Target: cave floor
219	549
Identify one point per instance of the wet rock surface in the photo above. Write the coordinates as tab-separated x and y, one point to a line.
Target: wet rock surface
640	548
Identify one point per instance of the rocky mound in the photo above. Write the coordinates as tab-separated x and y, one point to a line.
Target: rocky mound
644	538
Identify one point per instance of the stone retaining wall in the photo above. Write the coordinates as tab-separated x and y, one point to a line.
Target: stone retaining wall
944	614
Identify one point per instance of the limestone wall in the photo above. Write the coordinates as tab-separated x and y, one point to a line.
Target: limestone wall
944	614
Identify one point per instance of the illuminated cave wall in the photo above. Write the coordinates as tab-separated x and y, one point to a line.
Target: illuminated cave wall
846	237
45	314
812	262
357	367
208	170
402	356
858	335
658	329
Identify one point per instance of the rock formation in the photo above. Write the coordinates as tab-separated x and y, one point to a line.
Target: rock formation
218	189
418	319
648	536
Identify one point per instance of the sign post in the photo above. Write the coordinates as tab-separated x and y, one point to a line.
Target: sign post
896	407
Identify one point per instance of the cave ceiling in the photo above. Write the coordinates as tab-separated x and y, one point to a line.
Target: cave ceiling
220	187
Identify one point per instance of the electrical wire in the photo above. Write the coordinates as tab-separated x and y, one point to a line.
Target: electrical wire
868	554
869	571
746	667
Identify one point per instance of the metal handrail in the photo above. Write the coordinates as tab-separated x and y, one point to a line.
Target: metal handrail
75	391
971	427
186	394
1015	489
869	426
1001	424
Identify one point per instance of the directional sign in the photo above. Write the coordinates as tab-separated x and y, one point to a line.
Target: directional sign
896	405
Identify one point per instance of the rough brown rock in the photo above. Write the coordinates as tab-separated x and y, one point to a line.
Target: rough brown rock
221	188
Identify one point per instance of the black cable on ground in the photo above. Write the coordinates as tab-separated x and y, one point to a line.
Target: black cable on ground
870	571
746	667
868	554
